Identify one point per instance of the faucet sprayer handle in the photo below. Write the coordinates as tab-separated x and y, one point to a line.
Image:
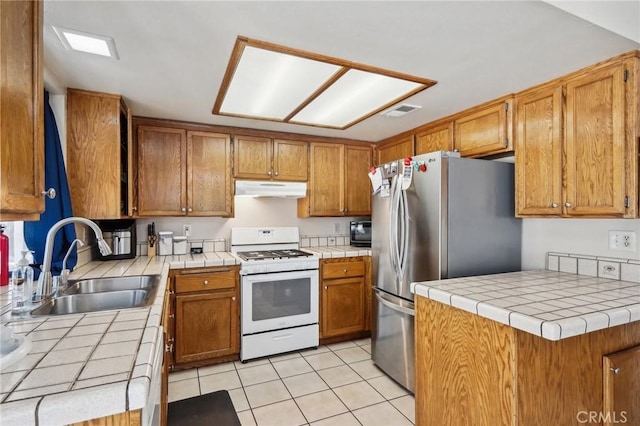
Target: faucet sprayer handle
104	248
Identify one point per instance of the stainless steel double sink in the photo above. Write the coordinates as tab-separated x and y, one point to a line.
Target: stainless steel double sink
102	294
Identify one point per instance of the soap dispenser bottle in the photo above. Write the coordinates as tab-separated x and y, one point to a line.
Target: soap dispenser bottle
22	286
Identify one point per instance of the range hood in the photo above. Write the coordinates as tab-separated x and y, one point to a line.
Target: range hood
265	188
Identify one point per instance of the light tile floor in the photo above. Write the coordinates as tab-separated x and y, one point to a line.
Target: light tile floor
333	385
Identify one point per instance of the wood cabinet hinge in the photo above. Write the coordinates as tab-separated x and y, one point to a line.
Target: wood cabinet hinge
626	202
506	106
506	142
626	75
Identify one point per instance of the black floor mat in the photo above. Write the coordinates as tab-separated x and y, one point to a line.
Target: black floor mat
205	410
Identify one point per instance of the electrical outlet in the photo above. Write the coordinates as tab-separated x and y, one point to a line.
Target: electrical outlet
622	240
608	270
186	230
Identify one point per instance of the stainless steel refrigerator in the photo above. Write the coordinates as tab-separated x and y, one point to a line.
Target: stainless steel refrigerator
438	217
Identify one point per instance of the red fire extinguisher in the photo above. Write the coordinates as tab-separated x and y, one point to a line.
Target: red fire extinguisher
4	257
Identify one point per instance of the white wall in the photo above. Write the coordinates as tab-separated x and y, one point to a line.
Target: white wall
578	236
249	212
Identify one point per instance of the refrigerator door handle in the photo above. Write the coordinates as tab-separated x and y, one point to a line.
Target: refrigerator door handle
391	305
404	237
396	226
391	239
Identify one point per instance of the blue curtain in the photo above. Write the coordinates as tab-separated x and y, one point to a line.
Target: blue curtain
55	176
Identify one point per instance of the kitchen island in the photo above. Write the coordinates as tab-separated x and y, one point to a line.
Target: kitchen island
527	348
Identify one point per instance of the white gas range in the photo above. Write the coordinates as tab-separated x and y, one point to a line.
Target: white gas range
278	291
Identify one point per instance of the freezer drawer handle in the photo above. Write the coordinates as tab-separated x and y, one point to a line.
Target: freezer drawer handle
395	307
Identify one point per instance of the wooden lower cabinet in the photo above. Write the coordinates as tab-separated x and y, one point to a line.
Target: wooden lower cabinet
474	371
344	299
207	319
621	372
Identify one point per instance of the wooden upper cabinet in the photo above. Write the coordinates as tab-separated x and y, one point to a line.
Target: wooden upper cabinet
264	158
338	183
580	164
99	155
326	182
484	130
390	150
357	192
210	187
436	137
162	186
183	172
538	152
595	143
622	386
252	157
21	111
290	160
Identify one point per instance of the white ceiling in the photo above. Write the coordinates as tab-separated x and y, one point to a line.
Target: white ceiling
173	54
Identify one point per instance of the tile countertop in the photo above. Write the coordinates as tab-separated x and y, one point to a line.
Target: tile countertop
87	366
550	304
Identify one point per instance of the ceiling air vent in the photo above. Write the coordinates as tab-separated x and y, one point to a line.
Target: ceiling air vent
400	110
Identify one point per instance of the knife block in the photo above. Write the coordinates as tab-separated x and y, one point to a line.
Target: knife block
151	250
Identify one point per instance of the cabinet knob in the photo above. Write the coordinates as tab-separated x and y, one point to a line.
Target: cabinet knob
269	172
134	208
205	282
615	370
183	209
233	298
346	210
345	271
567	204
172	315
190	209
325	287
49	193
554	205
276	173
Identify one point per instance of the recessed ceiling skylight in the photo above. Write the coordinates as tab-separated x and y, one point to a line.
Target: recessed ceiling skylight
86	42
271	82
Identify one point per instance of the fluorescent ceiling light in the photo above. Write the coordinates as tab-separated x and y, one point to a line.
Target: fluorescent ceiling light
86	42
272	82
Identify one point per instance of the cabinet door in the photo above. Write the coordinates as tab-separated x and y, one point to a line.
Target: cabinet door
290	160
93	154
167	361
483	131
343	306
396	150
21	109
209	180
436	138
252	157
326	183
595	144
357	162
538	153
206	326
622	387
162	177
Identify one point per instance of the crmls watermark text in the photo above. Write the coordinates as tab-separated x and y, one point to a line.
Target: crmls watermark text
600	417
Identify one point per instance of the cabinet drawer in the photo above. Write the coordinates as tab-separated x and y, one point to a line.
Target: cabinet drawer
343	269
191	283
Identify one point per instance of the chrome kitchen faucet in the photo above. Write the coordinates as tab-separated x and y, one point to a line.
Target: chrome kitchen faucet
45	282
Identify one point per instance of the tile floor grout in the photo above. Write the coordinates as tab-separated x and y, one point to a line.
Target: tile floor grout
363	344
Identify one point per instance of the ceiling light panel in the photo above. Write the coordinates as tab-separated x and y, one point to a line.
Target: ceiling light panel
271	84
356	94
86	42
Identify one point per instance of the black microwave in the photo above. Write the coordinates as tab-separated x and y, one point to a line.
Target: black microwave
361	233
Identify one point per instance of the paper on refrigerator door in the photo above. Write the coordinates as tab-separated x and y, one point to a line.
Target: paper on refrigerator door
376	179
